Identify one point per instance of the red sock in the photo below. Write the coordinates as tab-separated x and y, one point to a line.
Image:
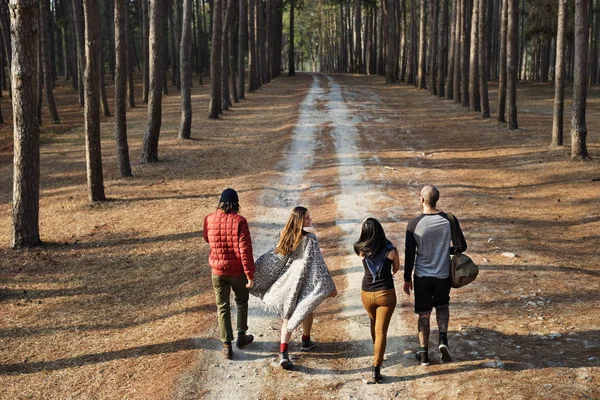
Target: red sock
305	338
283	347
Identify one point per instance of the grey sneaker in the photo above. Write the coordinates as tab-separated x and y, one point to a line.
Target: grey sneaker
284	361
308	345
445	353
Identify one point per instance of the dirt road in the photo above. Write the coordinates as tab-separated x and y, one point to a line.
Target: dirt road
124	308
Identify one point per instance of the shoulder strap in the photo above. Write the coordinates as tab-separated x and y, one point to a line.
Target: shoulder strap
453	229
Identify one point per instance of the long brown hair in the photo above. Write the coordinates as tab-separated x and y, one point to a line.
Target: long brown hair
291	235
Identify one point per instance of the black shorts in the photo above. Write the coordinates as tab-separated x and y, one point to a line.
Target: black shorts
431	292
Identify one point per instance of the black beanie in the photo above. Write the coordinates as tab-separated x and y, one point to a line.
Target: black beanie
229	196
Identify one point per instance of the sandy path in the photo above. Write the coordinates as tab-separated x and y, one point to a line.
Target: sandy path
326	125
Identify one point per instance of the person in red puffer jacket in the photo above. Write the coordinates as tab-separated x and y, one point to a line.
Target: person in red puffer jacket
232	266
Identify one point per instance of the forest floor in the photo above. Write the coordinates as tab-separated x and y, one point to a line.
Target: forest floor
118	303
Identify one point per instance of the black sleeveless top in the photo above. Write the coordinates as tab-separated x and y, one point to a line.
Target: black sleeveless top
384	281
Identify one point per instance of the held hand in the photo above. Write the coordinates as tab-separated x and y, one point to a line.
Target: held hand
250	283
408	287
334	293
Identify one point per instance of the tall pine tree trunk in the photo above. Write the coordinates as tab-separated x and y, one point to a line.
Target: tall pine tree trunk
79	34
215	61
512	60
483	62
145	52
422	73
474	101
26	174
121	66
559	78
186	71
291	53
92	107
443	50
242	48
390	64
225	97
502	68
46	61
156	74
578	123
434	47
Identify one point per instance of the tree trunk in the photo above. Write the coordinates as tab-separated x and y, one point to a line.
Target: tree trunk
92	97
483	62
434	47
47	64
186	72
121	67
156	74
291	61
559	78
458	43
130	62
422	74
390	64
26	174
101	82
227	14
252	55
474	101
464	48
242	48
145	52
502	68
443	50
452	46
512	60
215	61
578	123
79	27
233	51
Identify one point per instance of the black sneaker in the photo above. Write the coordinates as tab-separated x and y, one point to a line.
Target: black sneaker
307	345
284	361
376	374
422	357
244	340
445	353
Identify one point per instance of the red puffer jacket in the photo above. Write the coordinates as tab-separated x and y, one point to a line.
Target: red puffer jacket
230	244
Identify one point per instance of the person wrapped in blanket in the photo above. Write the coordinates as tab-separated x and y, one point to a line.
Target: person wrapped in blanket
292	279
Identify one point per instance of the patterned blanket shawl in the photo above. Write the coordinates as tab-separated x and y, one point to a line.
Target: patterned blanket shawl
293	285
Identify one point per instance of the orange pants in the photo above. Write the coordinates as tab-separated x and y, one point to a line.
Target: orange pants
380	307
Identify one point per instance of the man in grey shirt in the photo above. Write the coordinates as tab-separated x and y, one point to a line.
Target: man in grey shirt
427	250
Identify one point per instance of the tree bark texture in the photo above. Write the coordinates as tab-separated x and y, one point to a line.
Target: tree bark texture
578	123
227	18
92	97
185	50
242	48
150	141
46	60
502	67
483	62
390	64
79	34
512	61
145	52
215	61
474	101
422	73
443	50
121	73
24	15
291	53
559	78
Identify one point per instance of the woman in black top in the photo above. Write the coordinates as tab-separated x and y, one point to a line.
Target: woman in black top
380	261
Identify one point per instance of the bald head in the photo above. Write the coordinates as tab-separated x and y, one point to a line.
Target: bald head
430	195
